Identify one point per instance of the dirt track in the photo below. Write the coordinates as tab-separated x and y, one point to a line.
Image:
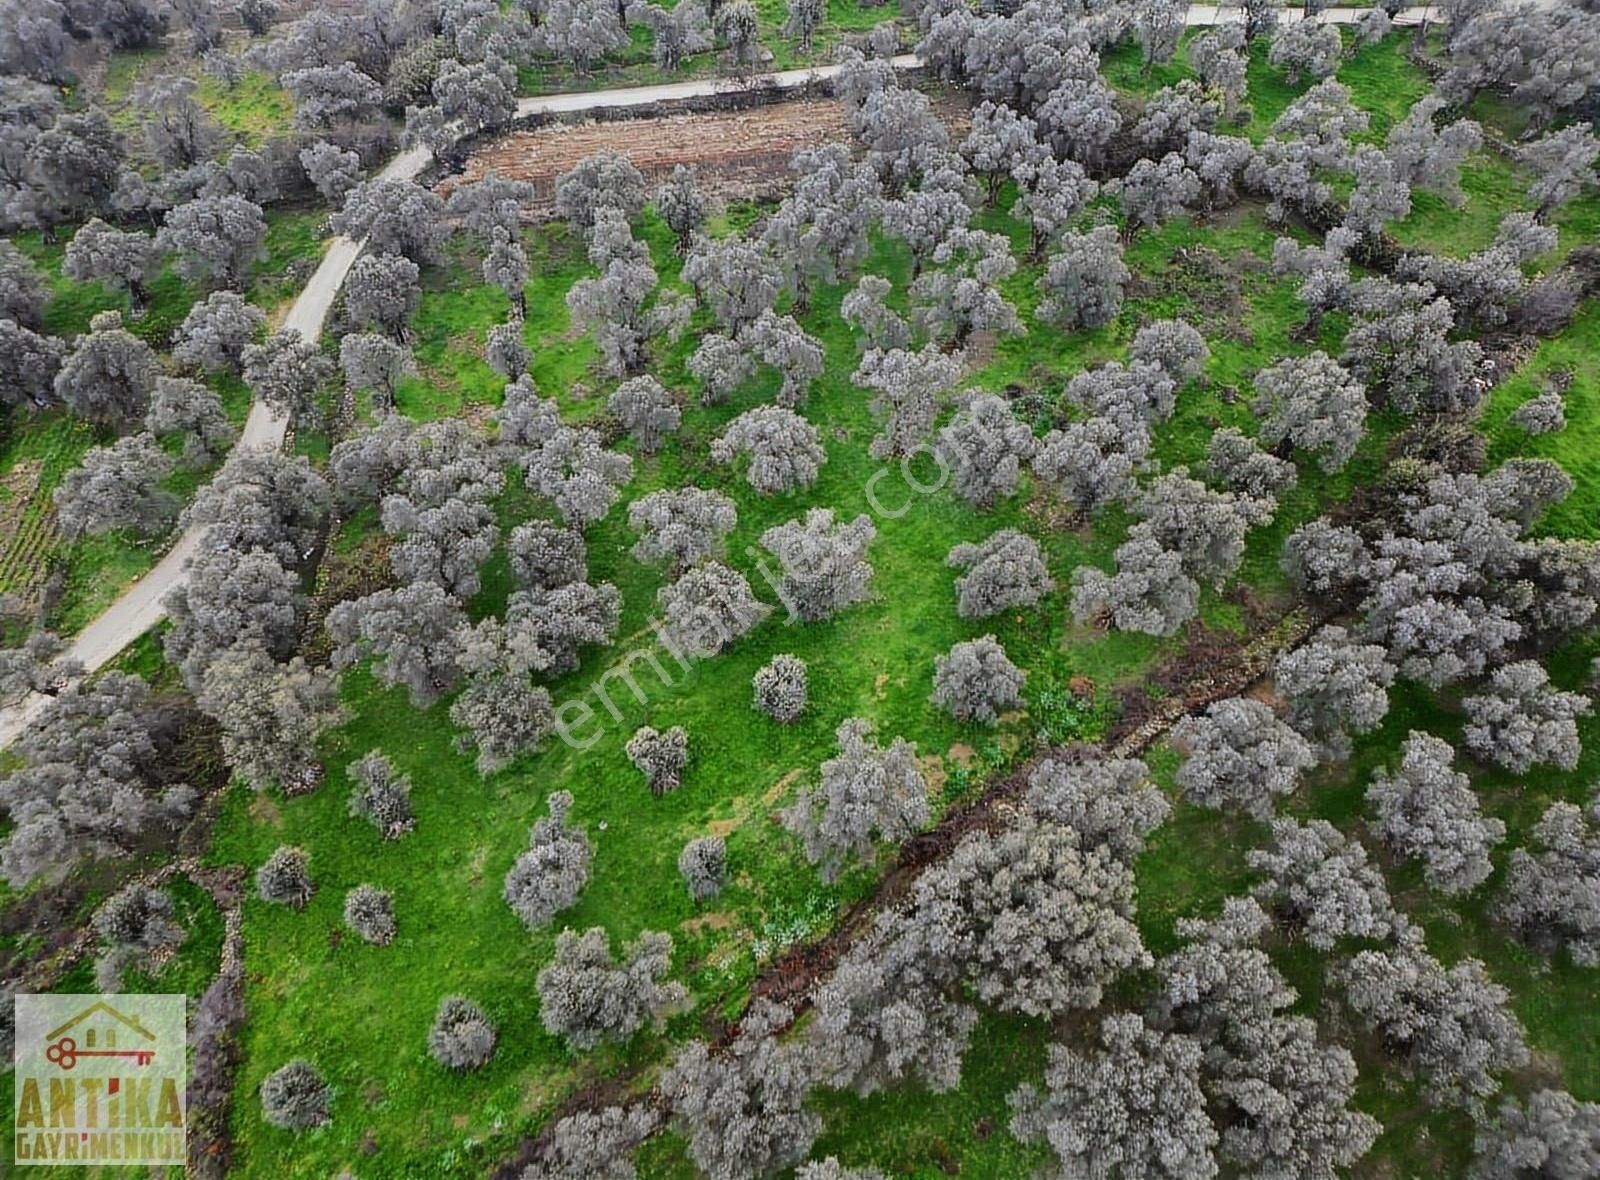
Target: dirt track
736	154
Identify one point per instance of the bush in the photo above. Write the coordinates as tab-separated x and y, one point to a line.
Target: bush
462	1036
295	1097
780	689
704	865
369	911
285	879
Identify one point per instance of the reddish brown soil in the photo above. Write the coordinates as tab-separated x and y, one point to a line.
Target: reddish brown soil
738	154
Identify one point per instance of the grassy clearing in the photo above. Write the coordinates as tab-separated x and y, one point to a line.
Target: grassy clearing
1571	353
252	112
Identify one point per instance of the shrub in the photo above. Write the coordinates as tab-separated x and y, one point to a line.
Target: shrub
462	1036
295	1097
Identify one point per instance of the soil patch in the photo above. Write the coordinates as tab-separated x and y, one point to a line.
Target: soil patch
737	155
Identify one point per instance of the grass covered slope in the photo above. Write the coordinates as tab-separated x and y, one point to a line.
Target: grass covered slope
323	995
361	1013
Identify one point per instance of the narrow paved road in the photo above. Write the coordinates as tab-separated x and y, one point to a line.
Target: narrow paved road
139	608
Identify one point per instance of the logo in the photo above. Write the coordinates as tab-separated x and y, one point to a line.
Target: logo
100	1080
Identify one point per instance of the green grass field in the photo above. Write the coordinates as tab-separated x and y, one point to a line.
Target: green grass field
361	1013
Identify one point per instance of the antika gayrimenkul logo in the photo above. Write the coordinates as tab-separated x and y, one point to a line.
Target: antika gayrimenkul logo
100	1080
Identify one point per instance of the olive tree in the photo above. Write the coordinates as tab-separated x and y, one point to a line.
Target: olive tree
502	716
1110	802
660	755
382	292
867	791
1313	403
381	795
577	473
264	500
975	680
1150	591
1426	810
1176	346
550	874
1321	883
1544	413
586	998
135	929
295	1097
215	333
1240	756
1005	571
1083	283
369	911
193	412
116	258
1523	721
1155	191
545	628
1093	462
394	217
646	411
271	716
985	445
785	450
374	362
605	180
109	374
823	562
744	1112
780	688
462	1037
1549	900
1036	923
1234	460
231	598
216	239
414	632
1335	687
909	387
1552	1136
85	783
681	525
333	171
595	1146
29	365
1452	1026
288	374
117	488
1305	47
703	865
284	878
545	555
1134	1109
682	205
707	609
865	310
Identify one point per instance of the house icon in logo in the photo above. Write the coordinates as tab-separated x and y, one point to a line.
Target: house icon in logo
101	1031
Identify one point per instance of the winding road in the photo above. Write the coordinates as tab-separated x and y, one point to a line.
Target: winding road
140	608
